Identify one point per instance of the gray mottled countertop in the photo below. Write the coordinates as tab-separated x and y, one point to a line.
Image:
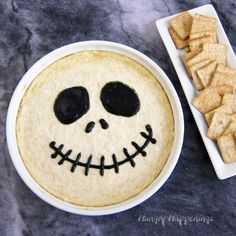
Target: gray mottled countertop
30	29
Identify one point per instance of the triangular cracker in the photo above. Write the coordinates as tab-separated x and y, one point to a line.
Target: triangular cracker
206	73
219	123
179	43
187	56
193	69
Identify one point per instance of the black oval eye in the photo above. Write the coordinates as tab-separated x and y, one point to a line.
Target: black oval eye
119	99
71	104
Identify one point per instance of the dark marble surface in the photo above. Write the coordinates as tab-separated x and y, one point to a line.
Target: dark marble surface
30	29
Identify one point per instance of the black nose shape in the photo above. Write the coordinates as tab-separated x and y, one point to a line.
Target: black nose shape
91	125
103	124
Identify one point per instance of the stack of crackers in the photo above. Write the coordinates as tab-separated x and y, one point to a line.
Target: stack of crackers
206	63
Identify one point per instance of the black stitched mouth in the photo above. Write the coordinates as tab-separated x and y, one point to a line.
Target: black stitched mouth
129	157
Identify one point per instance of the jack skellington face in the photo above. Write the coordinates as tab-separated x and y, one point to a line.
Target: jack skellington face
127	111
118	99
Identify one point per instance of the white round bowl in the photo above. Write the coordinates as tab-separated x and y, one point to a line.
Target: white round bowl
62	52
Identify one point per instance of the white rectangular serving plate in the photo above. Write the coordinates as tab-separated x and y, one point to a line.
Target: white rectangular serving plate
222	170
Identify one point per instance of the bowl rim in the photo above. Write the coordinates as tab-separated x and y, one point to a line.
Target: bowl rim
63	51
